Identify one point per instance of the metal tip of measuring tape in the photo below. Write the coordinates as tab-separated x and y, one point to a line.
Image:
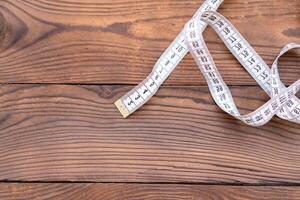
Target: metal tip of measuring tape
122	109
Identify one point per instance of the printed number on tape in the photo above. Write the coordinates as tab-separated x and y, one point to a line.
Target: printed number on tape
283	101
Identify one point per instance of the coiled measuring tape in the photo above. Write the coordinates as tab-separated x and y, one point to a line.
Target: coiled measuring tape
283	102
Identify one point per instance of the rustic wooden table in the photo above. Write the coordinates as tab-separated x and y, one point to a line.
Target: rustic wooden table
63	64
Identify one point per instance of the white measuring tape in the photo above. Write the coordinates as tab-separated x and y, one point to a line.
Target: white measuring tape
283	102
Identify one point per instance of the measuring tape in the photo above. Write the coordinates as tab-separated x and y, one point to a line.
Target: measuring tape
283	102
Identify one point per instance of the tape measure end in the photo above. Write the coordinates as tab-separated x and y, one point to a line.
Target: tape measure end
122	109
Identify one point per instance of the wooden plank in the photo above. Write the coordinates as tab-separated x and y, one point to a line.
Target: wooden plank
74	133
74	191
109	42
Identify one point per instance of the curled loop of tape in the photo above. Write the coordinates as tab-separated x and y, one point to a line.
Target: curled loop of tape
283	101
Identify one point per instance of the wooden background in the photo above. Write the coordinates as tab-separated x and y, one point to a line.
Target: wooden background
63	64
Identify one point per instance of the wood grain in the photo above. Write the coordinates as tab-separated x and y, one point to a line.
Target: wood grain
143	191
74	133
67	61
118	41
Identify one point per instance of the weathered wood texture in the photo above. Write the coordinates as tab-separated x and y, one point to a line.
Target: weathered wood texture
144	191
118	41
74	133
63	133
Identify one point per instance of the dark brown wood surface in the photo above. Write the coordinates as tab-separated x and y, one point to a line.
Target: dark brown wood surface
109	41
63	64
68	132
